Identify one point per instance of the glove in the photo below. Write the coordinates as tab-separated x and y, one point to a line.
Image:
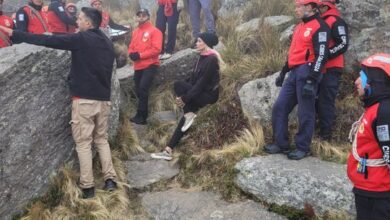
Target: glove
279	80
308	89
134	56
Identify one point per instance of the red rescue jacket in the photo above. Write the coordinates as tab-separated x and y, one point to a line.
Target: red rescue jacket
55	24
4	38
147	41
164	2
378	178
35	25
330	18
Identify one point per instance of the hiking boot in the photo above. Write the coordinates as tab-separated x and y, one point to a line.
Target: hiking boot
88	193
188	120
138	119
275	149
297	155
165	56
165	155
109	185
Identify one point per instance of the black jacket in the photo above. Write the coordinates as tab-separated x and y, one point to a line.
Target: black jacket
92	60
204	78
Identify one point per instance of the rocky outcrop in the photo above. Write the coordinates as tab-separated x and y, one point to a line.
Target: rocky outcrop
142	171
258	96
311	182
175	205
35	135
231	8
252	25
277	21
369	28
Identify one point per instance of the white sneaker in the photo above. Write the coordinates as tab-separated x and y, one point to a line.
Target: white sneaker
165	155
165	56
188	120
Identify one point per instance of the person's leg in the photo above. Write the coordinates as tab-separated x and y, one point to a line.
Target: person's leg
282	107
83	113
194	10
381	209
161	22
327	92
209	18
146	81
100	137
172	26
364	207
137	80
306	112
181	87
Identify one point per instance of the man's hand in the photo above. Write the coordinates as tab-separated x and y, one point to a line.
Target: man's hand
308	89
179	102
134	56
9	31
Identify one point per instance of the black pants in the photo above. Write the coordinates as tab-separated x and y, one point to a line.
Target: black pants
161	24
325	105
200	101
372	208
143	81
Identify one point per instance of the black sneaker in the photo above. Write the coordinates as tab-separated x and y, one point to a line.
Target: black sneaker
138	120
110	185
88	193
297	155
275	149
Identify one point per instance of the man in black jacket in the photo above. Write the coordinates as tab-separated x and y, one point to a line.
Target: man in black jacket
90	87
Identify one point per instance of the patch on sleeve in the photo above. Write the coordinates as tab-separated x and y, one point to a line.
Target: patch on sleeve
382	132
322	37
21	17
61	9
342	30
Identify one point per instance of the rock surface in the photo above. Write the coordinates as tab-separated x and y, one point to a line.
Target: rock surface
258	96
142	171
231	8
252	25
175	205
35	135
275	179
277	21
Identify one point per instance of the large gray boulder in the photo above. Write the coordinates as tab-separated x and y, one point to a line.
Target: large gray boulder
369	28
12	6
231	8
176	205
275	179
258	96
35	135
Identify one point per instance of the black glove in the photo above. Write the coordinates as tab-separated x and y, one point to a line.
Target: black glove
308	89
134	56
279	80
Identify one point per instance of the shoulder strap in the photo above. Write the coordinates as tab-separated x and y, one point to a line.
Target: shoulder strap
36	13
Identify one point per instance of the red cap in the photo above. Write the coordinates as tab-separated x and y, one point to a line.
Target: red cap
380	60
305	2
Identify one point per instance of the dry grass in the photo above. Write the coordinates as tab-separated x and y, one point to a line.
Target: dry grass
268	8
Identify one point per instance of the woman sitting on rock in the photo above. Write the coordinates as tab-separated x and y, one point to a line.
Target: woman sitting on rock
200	89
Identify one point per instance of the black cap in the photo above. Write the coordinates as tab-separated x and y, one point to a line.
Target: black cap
143	11
209	38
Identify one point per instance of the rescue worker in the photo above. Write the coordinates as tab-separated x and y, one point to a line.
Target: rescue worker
57	18
31	18
329	85
307	56
144	49
6	22
71	11
90	87
369	162
106	19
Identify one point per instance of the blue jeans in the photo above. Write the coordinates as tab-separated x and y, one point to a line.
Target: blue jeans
290	96
194	8
161	24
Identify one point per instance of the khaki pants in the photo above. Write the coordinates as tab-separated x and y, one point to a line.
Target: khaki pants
90	124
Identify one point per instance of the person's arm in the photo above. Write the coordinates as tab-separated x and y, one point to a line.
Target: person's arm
381	129
21	20
155	48
61	42
210	69
116	26
340	36
320	45
59	10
